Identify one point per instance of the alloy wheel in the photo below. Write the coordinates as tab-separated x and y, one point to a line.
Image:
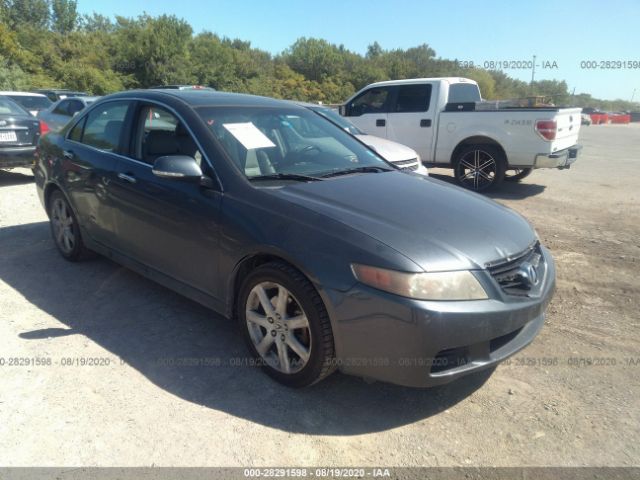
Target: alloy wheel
62	222
278	327
477	169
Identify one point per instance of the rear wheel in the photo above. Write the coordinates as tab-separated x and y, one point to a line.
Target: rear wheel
517	174
65	228
479	167
286	325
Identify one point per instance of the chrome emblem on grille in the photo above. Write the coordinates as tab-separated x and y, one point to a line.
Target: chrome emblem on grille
528	274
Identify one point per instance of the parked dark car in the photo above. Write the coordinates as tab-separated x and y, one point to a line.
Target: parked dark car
325	254
19	135
59	93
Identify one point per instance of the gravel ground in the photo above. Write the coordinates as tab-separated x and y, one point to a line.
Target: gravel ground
115	386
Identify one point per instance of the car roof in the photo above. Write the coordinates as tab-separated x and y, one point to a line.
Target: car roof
421	80
206	98
58	90
23	94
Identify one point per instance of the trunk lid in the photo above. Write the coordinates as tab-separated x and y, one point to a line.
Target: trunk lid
16	131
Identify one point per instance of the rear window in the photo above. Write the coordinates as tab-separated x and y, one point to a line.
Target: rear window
8	107
464	93
31	102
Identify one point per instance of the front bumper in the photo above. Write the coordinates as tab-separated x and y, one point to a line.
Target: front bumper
13	157
561	160
425	343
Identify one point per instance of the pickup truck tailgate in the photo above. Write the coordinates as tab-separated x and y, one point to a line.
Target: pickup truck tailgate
568	123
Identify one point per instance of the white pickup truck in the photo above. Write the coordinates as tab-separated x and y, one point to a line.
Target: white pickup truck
448	124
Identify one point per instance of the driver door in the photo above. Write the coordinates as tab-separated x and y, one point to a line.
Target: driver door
168	225
368	111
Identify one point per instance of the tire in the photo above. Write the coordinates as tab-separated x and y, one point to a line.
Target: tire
65	229
292	352
479	167
518	174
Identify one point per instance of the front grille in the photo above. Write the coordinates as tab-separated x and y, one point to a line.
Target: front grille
409	165
520	275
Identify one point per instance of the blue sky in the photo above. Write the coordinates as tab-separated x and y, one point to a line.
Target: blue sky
564	32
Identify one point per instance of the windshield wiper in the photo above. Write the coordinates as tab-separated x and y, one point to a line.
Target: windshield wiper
369	169
286	176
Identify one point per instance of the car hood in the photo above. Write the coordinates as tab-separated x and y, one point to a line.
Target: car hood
436	225
390	151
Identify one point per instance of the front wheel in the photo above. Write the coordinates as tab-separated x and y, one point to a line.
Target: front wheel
517	174
479	167
286	325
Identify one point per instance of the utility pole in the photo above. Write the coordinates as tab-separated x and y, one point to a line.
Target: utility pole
533	73
633	94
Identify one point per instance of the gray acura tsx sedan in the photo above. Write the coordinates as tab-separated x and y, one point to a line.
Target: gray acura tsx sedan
326	255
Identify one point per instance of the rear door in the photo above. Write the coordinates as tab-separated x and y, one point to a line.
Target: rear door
368	111
90	153
410	120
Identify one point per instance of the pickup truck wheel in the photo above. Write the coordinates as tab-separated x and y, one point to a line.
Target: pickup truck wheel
286	325
479	167
517	174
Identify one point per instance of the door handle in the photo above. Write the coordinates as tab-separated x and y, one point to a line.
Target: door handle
68	154
425	122
127	178
381	122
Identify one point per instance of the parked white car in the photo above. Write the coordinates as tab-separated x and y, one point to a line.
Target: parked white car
33	103
446	122
400	155
59	114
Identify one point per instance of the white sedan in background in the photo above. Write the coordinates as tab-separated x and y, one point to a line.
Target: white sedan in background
59	114
400	155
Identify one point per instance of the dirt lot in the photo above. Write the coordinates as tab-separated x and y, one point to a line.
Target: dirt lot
571	398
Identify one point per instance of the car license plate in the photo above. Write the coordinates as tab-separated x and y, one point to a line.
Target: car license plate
8	137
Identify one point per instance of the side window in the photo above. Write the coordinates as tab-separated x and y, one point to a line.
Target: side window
62	109
74	107
160	134
464	93
375	100
413	98
104	125
76	132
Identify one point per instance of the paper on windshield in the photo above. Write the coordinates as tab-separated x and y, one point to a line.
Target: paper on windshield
248	135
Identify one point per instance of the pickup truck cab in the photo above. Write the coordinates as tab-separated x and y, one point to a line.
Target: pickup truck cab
448	124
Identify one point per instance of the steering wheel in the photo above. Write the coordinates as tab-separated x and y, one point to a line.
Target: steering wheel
310	148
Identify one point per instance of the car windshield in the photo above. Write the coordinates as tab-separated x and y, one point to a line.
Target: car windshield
276	142
31	102
338	119
8	107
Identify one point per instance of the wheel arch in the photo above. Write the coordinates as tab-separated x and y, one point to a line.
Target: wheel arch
478	140
250	262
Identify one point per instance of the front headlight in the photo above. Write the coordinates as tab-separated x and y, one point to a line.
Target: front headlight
460	285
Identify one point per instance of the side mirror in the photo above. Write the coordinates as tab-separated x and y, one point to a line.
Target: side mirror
342	109
177	167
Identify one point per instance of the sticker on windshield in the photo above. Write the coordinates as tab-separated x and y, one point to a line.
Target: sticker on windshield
248	135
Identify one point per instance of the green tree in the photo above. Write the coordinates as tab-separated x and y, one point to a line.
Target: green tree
12	77
64	15
26	12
